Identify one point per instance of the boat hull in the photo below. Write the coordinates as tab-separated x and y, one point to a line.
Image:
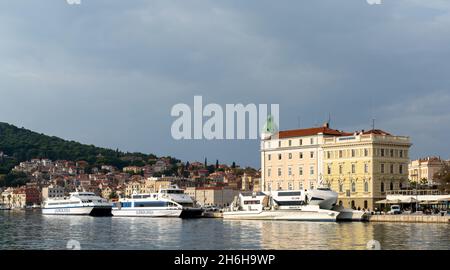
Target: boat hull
79	211
191	213
288	215
146	212
346	214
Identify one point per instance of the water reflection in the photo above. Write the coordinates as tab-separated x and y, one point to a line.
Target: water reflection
31	230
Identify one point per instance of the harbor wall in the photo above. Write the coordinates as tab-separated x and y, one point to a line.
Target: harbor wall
409	218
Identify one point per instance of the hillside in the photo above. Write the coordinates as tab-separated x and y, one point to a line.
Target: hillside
20	144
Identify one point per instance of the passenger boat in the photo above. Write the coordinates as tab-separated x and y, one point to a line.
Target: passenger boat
147	205
278	205
77	203
176	194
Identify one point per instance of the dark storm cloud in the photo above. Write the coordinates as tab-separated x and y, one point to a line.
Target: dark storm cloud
108	72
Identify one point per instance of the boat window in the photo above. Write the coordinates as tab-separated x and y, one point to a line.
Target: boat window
289	193
175	191
150	204
252	202
126	204
288	203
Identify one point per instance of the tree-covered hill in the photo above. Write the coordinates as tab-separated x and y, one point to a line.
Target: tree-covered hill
20	144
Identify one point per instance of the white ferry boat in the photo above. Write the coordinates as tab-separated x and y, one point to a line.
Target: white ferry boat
324	197
278	205
176	194
78	203
147	205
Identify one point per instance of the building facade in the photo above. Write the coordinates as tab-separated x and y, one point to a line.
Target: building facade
52	191
360	166
424	170
212	196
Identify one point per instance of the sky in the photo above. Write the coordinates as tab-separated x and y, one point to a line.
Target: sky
108	72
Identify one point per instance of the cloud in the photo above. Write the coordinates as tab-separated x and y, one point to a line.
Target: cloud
108	72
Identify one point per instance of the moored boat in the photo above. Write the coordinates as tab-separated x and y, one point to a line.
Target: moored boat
279	205
147	205
176	194
78	203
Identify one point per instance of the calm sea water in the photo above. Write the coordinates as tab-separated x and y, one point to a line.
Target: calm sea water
31	230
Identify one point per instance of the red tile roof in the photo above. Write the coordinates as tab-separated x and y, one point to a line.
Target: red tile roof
311	132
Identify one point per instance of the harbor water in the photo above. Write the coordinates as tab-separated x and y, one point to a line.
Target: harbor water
32	230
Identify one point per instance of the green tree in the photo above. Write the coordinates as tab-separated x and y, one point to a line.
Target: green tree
443	178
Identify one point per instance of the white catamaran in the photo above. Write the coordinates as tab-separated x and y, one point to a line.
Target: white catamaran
278	205
147	205
78	203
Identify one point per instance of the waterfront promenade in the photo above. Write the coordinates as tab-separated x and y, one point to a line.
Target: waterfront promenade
410	218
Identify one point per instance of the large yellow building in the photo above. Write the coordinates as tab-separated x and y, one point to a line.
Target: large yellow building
360	166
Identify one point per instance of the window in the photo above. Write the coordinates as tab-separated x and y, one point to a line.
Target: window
353	187
366	205
279	143
353	152
301	155
269	157
400	169
353	168
279	156
311	154
290	155
329	169
391	186
300	171
301	142
312	140
392	168
401	153
311	170
366	168
269	172
328	154
301	185
366	186
340	169
340	153
290	143
392	152
366	152
382	187
382	152
382	168
279	171
341	187
290	186
289	171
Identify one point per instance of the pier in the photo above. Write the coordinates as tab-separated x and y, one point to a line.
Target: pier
410	218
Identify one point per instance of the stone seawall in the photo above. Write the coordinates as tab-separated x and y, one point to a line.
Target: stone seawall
409	218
